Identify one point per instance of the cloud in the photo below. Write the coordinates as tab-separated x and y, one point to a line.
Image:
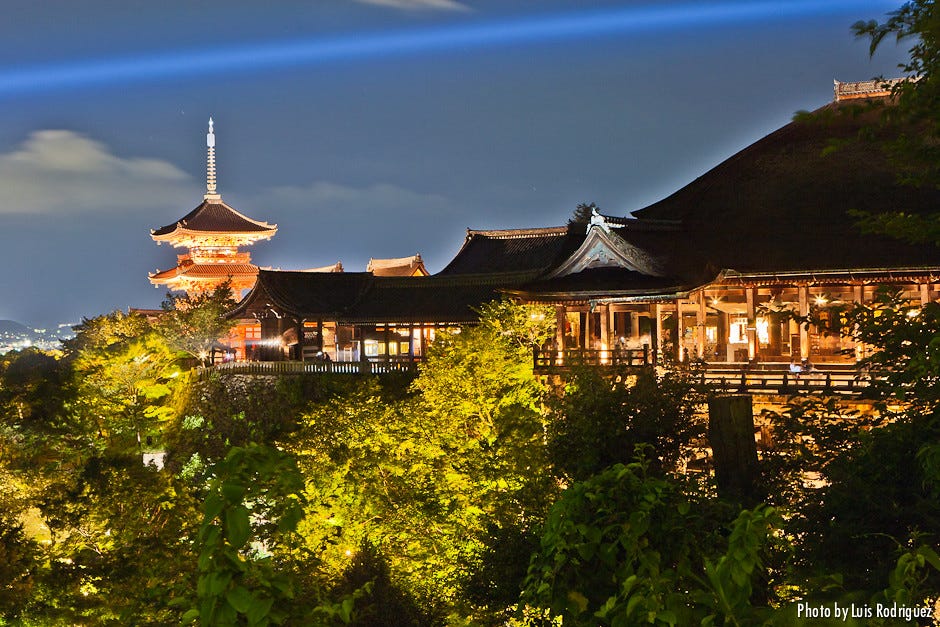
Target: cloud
419	5
63	172
379	199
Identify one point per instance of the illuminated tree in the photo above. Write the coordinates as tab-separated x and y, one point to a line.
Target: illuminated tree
195	323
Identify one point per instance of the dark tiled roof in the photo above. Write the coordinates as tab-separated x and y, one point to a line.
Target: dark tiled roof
363	297
307	293
783	203
520	250
426	299
216	217
610	281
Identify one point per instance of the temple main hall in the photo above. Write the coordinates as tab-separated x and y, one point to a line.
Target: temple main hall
716	272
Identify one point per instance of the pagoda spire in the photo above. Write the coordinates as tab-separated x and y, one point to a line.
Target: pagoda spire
211	189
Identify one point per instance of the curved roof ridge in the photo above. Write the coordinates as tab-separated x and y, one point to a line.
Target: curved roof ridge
508	233
219	217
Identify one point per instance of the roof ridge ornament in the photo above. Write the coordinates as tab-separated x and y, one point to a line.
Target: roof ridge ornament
211	187
598	220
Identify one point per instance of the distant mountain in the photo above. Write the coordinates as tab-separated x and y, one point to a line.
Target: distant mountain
11	327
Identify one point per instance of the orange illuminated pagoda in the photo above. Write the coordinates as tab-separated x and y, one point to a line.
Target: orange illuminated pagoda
213	233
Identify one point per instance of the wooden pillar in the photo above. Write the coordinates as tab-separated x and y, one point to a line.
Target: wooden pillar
658	327
561	320
300	339
803	292
734	451
924	293
700	326
724	331
588	331
605	332
750	295
635	326
858	295
411	342
680	349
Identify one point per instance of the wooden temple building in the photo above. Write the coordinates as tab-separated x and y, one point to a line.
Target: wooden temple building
709	273
213	235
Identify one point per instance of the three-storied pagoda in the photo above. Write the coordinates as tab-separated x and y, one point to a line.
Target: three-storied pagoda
213	233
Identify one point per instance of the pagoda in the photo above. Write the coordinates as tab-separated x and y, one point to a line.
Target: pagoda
213	234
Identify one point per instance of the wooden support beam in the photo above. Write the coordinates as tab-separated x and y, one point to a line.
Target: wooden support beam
700	316
750	295
803	292
588	331
658	325
734	451
680	331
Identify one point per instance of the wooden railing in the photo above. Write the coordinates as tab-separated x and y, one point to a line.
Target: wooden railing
383	366
784	381
768	379
545	361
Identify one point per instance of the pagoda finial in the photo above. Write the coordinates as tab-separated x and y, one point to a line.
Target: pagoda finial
211	190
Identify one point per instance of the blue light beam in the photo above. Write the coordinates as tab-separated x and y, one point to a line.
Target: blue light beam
312	51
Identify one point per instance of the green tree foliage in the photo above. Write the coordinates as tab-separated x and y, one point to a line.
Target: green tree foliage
599	419
119	551
122	375
626	548
376	600
251	510
423	475
32	389
111	532
195	323
214	413
19	564
862	490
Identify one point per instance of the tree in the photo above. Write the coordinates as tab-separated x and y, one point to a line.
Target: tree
914	115
195	323
424	475
598	420
864	489
250	513
625	548
123	374
582	213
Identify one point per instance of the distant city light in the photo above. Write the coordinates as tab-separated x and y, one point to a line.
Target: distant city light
313	50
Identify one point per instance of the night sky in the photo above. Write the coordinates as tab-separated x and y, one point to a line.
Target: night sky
374	128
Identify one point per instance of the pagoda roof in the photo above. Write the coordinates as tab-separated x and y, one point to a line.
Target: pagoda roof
214	216
206	271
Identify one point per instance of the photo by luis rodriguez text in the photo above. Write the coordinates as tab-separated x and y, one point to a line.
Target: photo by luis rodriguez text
921	613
